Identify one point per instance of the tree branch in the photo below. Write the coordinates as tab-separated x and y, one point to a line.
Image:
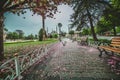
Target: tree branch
2	2
14	6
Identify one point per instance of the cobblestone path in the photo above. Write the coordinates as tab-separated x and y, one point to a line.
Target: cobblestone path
72	62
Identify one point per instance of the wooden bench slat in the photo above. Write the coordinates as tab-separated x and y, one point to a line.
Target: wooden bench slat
116	38
115	45
117	50
115	42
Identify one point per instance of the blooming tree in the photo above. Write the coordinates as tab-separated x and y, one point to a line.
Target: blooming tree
45	8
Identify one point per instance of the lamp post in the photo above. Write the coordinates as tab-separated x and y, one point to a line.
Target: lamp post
59	26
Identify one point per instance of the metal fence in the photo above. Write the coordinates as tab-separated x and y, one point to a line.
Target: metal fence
95	44
12	69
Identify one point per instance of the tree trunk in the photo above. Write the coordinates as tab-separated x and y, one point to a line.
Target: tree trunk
43	25
1	36
92	27
114	30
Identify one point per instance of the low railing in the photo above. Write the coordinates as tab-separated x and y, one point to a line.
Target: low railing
12	69
93	43
96	43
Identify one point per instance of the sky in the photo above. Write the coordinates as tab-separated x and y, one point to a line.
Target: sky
32	24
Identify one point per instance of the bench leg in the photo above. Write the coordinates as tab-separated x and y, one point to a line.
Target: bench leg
112	53
107	53
101	51
100	55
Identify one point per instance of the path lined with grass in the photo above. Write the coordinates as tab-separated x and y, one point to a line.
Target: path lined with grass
72	62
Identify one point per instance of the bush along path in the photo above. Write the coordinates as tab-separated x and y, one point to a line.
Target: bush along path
71	62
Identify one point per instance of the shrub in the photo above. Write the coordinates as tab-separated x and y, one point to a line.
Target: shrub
40	35
55	35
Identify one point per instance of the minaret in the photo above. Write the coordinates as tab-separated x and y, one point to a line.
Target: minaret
56	29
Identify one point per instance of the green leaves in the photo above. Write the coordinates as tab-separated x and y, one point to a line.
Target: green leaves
71	32
80	17
40	34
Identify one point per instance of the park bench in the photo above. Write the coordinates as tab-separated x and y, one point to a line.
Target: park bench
113	47
114	58
83	41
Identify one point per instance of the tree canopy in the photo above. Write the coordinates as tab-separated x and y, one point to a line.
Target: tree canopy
112	14
103	26
19	5
87	12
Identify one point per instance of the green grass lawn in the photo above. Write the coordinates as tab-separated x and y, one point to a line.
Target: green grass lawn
30	42
16	47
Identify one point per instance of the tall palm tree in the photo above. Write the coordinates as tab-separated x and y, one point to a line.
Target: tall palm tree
86	13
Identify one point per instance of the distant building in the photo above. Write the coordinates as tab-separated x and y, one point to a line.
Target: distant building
54	32
19	31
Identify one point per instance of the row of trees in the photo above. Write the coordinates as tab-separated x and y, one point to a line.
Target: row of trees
100	30
18	34
15	35
96	13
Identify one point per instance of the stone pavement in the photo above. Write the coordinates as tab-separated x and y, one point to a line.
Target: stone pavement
72	62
